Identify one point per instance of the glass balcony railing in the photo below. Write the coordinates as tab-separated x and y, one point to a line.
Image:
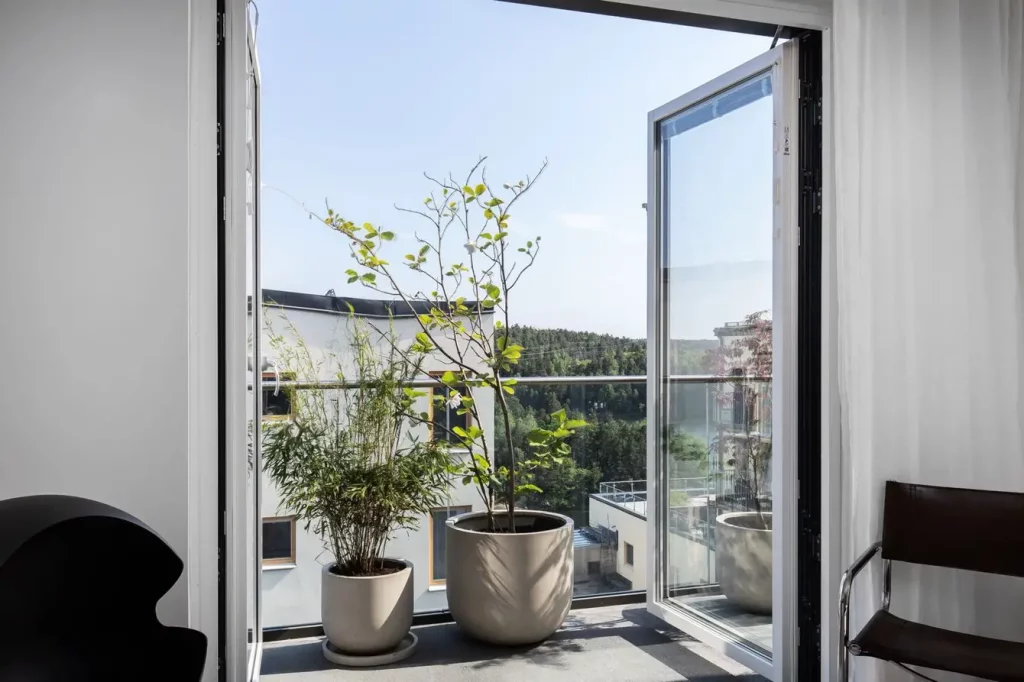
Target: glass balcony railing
602	487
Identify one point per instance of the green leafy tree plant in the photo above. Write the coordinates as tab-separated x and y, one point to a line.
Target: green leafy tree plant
746	443
461	294
346	465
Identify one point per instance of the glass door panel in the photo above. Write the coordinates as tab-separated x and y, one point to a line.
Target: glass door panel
714	216
717	170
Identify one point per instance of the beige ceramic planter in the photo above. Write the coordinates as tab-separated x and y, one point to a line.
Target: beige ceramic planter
509	588
367	615
743	551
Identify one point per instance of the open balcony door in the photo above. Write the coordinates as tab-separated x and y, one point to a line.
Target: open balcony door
243	355
722	245
253	524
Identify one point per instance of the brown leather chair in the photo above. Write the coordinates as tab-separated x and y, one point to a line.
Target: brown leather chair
973	530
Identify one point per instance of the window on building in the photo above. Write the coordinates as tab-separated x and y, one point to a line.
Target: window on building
277	406
279	540
593	568
444	418
739	405
629	554
438	517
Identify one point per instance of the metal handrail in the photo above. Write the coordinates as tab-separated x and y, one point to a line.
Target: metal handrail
427	382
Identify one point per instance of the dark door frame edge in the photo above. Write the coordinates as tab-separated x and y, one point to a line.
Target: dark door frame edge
664	16
809	310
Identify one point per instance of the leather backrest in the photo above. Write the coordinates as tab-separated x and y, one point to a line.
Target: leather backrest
974	530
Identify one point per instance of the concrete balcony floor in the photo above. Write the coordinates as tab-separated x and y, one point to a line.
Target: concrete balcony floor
606	643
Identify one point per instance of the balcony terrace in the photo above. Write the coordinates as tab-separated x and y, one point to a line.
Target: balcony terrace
617	643
609	635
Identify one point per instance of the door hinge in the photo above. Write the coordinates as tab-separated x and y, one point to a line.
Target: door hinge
222	27
220	139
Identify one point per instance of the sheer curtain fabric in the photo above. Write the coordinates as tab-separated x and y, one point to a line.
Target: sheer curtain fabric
930	252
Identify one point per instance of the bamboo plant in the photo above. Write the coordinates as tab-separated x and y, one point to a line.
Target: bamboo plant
346	465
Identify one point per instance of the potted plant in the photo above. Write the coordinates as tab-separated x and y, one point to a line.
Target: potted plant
509	570
349	470
743	539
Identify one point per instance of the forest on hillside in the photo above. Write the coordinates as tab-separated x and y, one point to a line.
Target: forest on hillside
613	445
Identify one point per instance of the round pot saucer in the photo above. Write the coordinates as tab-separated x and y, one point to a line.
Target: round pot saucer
401	652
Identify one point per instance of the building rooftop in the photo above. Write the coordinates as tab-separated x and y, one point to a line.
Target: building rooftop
345	305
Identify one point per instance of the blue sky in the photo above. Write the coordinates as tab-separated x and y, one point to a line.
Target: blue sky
360	98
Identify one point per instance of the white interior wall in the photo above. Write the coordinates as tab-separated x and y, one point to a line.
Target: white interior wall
930	261
97	204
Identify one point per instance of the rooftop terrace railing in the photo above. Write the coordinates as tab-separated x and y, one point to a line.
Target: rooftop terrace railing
613	447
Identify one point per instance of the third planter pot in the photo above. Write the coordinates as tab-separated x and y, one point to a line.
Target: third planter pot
509	588
743	551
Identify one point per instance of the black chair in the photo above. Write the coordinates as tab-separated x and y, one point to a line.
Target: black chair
79	583
973	530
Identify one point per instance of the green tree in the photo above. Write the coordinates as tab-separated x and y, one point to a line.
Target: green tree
473	217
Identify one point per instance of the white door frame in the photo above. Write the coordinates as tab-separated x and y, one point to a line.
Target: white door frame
203	342
783	64
254	326
236	36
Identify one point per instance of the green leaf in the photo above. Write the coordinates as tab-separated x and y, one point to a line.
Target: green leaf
423	250
425	340
480	189
387	236
448	378
488	214
409	256
513	352
468	190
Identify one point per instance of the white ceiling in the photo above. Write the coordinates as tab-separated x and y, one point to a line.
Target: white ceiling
800	13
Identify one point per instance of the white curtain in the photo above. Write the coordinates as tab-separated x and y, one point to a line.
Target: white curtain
930	239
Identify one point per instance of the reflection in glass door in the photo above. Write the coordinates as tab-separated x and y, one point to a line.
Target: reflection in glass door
719	237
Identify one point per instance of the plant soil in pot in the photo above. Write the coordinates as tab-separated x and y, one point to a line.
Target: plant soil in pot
367	614
509	588
743	551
